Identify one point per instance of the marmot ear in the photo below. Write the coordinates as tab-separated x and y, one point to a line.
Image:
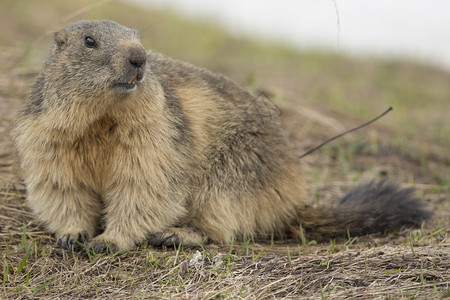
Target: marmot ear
60	38
138	34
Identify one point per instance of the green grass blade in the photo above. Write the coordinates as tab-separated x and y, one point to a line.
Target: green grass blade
23	261
431	234
38	288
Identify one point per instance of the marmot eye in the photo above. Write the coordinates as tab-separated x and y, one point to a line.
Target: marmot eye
90	42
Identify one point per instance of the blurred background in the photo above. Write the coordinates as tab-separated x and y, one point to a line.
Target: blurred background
328	64
416	30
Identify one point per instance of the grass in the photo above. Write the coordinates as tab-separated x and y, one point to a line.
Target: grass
319	95
153	273
32	268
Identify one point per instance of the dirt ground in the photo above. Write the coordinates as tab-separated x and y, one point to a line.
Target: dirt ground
409	263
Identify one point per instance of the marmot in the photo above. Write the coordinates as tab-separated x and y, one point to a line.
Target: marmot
119	146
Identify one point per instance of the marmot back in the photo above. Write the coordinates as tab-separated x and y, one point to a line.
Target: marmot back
118	146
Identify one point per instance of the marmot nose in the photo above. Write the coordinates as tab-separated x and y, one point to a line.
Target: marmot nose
137	57
137	62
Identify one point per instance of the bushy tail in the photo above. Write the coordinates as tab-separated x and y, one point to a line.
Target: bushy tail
377	206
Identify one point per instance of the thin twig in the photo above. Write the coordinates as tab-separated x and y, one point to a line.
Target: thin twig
348	131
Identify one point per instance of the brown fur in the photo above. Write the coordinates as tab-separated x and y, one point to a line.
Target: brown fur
183	155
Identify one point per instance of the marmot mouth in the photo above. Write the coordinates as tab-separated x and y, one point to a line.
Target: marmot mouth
133	81
129	85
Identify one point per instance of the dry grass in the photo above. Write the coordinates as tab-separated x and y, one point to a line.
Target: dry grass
336	93
34	267
368	267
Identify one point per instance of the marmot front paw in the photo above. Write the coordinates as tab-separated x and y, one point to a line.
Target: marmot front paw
73	241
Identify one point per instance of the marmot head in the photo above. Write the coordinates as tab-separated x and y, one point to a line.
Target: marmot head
98	57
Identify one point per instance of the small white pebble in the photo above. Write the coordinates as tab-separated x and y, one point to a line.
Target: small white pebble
195	258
